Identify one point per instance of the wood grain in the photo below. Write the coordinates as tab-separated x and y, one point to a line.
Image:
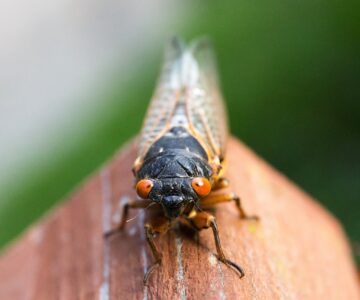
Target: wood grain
297	250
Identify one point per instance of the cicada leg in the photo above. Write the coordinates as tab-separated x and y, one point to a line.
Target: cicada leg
204	220
221	183
158	225
125	213
214	199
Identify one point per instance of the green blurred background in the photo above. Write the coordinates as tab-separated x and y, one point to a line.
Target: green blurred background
290	74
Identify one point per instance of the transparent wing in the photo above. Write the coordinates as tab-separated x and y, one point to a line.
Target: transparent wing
164	99
205	103
187	95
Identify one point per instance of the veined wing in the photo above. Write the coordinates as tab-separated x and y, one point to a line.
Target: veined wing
187	95
205	103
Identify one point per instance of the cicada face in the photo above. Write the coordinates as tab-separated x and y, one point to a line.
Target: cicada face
178	193
174	195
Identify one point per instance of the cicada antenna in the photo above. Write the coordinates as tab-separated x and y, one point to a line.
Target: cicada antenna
133	218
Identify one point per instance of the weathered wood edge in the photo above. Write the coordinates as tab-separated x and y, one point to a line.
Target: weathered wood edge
297	251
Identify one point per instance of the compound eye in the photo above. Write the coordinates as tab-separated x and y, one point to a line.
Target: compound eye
201	186
143	188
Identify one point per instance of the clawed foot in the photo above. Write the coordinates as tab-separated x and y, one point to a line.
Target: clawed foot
233	266
150	271
243	214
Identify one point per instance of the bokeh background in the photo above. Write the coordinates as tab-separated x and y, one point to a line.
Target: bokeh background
76	78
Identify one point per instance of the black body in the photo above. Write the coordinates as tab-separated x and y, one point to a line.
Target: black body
171	163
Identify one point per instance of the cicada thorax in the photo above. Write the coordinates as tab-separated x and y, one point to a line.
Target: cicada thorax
177	154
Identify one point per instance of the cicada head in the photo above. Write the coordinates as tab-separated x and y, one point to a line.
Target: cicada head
176	180
175	195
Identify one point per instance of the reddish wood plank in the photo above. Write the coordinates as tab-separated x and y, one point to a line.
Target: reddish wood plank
297	250
61	257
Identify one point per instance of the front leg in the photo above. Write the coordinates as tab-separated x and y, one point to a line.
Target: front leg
157	224
125	213
213	199
204	220
220	183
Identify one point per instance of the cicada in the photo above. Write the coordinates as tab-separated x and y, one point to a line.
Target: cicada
182	148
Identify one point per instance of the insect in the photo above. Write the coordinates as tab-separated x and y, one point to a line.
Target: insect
181	149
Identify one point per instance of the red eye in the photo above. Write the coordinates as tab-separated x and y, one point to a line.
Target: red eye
201	186
143	188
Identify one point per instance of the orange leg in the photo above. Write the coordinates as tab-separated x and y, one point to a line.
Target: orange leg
221	183
154	226
204	220
125	213
214	199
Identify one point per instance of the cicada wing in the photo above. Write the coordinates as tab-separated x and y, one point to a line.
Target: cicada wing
205	103
164	100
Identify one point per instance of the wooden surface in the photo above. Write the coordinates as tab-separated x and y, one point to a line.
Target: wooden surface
296	251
